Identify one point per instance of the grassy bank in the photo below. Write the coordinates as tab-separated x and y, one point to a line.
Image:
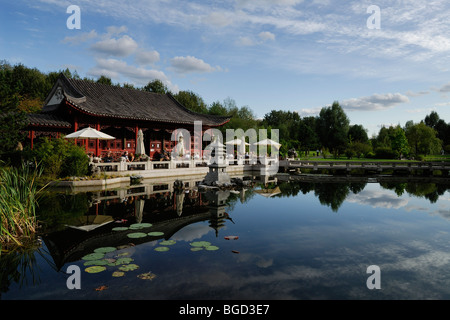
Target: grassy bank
19	194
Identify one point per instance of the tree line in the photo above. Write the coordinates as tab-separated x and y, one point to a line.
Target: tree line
23	90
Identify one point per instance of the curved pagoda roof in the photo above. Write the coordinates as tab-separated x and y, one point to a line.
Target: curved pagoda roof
110	101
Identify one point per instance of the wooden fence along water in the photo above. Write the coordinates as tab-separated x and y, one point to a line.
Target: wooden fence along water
367	167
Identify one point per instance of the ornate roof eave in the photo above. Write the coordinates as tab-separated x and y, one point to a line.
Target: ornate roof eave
79	108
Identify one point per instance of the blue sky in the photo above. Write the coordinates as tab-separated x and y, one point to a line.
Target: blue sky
297	55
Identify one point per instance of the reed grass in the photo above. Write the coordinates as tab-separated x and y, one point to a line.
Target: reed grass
19	193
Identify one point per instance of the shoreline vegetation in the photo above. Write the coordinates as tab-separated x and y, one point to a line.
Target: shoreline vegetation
19	196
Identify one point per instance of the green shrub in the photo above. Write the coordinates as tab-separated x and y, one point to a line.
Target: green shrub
60	158
384	153
370	155
76	163
420	157
350	153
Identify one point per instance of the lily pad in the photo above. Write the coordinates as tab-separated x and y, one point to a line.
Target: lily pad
93	256
95	269
161	249
167	242
96	263
105	249
156	233
200	244
196	248
135	235
122	254
147	276
119	228
124	260
136	226
118	274
129	267
211	248
120	261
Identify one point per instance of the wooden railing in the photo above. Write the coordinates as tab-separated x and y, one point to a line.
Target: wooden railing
161	165
368	165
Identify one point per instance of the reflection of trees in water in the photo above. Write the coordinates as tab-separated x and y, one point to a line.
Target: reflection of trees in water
428	190
20	267
328	193
334	194
234	198
56	208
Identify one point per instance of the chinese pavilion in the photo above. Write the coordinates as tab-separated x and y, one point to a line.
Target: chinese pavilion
121	112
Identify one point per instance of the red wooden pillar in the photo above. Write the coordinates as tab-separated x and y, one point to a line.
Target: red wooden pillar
75	127
97	142
136	129
32	138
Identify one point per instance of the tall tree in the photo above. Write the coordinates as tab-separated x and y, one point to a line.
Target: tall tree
442	128
399	142
104	80
307	134
333	125
432	119
422	139
192	101
156	86
358	133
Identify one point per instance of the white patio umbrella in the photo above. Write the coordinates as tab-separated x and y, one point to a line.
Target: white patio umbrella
240	143
268	193
89	133
268	142
139	207
140	147
237	142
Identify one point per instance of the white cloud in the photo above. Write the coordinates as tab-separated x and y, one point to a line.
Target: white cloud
121	47
374	102
421	110
309	112
445	88
416	94
80	38
218	19
116	69
378	199
266	35
245	41
116	30
191	64
147	57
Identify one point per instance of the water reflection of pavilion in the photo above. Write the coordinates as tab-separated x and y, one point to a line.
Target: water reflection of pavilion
167	209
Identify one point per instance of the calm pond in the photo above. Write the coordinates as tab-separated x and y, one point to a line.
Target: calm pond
274	239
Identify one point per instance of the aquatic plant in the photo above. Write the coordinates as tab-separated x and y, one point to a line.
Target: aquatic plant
200	245
19	195
167	242
136	235
161	249
95	269
156	233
